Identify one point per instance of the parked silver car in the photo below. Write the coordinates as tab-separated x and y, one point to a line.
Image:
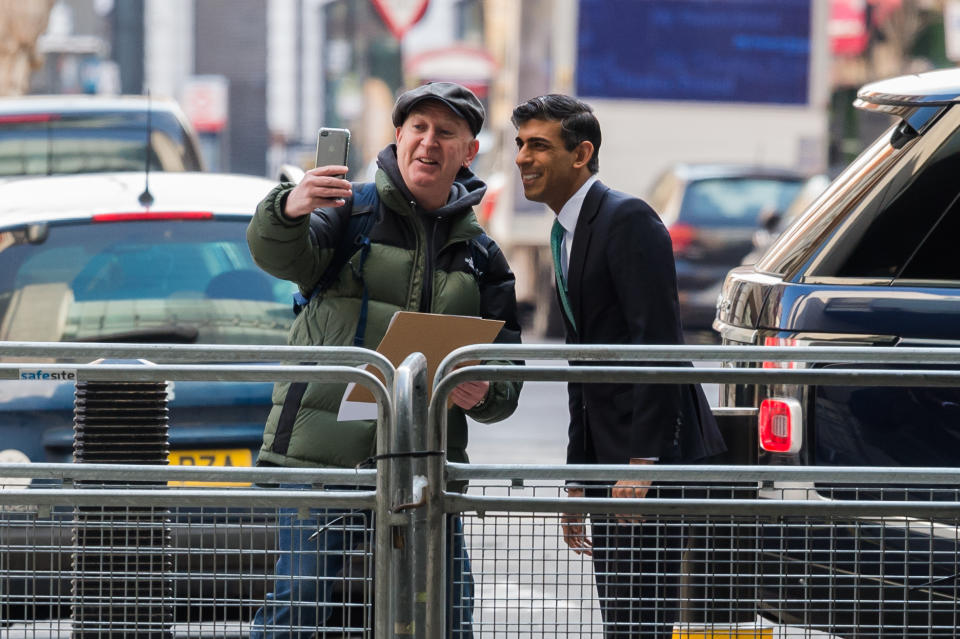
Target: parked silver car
57	134
86	258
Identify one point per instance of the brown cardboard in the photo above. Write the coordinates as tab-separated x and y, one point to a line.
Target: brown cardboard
431	334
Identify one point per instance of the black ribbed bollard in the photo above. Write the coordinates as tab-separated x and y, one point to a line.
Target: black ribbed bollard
122	586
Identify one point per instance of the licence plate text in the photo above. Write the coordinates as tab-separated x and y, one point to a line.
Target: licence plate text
210	458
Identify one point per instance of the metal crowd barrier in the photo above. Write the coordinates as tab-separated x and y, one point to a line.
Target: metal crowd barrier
198	561
219	558
791	562
847	552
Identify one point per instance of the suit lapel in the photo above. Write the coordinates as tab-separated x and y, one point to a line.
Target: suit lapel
581	247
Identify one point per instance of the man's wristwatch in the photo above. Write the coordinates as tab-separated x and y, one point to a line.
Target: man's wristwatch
482	402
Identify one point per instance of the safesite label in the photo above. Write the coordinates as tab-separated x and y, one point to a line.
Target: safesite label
49	374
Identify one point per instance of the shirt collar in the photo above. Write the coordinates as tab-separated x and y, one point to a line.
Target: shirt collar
571	209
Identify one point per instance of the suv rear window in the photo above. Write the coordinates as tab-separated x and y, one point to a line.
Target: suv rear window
57	143
935	259
891	215
735	201
170	281
908	220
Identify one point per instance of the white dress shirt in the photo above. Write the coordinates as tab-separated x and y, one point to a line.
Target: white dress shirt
568	217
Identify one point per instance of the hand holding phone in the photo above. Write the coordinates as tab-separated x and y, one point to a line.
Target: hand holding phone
333	145
325	185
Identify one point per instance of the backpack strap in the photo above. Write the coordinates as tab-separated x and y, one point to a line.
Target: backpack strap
365	300
363	208
366	204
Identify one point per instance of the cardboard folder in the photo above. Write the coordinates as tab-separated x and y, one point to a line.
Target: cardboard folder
431	334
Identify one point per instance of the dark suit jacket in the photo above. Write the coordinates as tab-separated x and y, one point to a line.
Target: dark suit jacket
622	290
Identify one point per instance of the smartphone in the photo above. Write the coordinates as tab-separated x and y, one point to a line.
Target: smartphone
332	147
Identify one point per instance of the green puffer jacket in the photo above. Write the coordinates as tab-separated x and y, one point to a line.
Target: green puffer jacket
409	249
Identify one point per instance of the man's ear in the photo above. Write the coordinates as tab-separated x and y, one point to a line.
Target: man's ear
471	152
582	154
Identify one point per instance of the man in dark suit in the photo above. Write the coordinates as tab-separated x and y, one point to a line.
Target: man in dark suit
616	284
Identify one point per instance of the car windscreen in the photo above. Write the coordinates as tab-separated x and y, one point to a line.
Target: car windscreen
735	201
58	143
182	281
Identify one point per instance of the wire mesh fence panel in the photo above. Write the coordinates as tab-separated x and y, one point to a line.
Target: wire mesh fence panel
694	559
35	564
689	574
873	576
527	582
185	571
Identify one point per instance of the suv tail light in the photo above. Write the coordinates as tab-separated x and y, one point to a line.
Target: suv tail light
682	236
780	425
779	341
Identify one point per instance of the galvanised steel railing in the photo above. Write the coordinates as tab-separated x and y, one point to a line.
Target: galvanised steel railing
206	353
448	377
134	498
819	521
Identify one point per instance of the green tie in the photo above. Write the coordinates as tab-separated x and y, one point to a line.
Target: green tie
556	240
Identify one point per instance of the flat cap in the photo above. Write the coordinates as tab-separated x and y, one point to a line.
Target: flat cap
460	99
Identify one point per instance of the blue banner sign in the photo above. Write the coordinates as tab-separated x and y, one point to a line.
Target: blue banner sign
711	50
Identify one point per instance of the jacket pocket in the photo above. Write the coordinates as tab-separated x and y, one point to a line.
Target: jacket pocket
319	439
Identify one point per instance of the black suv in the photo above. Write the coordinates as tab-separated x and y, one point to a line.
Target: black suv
870	262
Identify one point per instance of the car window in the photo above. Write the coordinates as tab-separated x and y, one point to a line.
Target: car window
94	282
735	201
900	217
48	144
661	191
936	259
793	248
892	230
808	193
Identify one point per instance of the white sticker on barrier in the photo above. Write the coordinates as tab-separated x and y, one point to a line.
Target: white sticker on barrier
49	374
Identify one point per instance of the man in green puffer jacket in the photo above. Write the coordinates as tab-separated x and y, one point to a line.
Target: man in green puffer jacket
420	259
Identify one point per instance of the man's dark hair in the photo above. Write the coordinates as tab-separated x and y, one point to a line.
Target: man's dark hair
577	121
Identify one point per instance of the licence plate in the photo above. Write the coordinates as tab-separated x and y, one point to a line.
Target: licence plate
210	458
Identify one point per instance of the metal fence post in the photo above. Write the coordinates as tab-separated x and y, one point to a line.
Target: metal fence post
407	482
435	528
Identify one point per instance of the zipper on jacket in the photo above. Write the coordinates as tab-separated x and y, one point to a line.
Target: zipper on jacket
426	293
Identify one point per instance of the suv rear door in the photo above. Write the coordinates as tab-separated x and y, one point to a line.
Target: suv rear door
870	263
